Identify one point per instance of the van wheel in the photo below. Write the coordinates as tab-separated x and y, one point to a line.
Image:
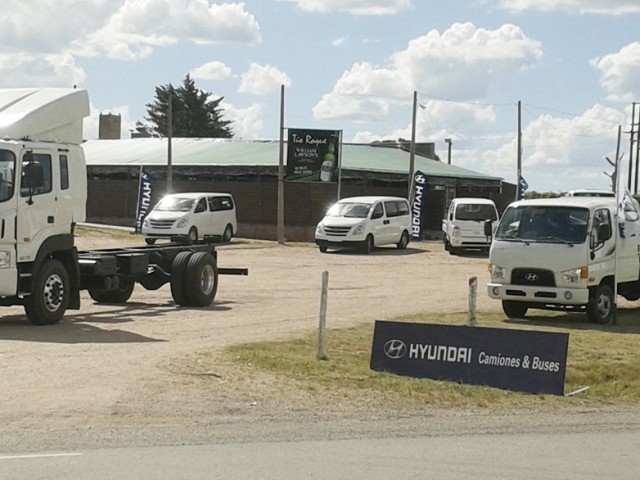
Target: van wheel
447	245
322	248
192	236
368	245
150	241
228	234
600	308
514	309
404	241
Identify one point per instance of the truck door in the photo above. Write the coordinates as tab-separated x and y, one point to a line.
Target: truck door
36	204
628	261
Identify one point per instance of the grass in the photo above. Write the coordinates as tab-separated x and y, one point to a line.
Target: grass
603	358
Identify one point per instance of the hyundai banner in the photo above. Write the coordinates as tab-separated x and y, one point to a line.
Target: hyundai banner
517	360
418	200
144	200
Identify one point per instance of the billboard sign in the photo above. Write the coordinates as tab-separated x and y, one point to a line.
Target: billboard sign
313	155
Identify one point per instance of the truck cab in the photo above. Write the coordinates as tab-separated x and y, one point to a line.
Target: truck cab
567	253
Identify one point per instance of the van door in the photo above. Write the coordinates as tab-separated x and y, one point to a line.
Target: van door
379	224
394	229
201	217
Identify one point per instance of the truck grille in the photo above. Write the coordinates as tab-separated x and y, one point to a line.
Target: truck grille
533	276
161	224
337	231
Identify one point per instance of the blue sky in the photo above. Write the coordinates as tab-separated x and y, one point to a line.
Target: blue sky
353	65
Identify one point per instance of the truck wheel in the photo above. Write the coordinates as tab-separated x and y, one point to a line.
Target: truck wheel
119	295
228	234
50	296
600	306
201	279
404	241
368	245
178	269
514	309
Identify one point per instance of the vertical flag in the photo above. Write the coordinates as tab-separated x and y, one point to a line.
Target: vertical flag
522	187
418	201
144	199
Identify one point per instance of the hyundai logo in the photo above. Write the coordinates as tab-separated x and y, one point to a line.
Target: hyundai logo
395	349
531	277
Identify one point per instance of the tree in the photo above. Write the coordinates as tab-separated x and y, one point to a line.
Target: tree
193	113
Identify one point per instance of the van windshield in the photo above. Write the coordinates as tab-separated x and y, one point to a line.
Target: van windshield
351	210
174	204
549	224
474	211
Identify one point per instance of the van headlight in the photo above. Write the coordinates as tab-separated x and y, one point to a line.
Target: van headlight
359	230
320	229
497	272
182	222
570	276
5	258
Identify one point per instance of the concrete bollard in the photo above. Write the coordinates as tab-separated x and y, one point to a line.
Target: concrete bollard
473	296
320	355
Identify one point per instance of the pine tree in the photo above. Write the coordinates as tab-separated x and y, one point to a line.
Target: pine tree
193	113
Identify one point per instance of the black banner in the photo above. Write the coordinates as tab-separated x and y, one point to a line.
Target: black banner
313	155
418	205
144	199
517	360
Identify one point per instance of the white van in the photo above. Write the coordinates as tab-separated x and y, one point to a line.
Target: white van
190	217
463	226
363	223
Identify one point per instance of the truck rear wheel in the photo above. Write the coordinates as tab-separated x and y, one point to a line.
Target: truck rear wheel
201	279
50	296
178	270
600	308
514	309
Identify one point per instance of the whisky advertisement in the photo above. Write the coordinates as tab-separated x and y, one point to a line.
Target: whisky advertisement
313	155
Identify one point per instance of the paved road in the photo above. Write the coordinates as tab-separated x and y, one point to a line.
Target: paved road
488	456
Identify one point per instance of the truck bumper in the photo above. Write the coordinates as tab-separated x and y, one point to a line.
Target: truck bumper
538	294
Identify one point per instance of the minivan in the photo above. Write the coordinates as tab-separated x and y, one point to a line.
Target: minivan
362	223
191	217
463	227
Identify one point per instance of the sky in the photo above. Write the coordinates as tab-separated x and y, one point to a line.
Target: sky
573	67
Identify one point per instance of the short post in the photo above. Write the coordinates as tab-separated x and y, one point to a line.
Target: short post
320	355
473	295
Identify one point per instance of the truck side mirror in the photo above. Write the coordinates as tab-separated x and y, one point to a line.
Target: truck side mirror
33	176
488	228
604	232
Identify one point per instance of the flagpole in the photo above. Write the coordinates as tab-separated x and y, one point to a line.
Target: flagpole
617	184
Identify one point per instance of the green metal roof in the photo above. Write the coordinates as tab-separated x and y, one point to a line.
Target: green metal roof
227	153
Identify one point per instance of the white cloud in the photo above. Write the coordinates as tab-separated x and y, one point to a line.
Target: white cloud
263	80
438	65
49	70
247	122
620	73
211	71
354	7
139	25
604	7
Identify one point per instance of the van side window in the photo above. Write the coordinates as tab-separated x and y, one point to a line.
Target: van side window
217	204
392	209
403	208
64	173
378	211
202	206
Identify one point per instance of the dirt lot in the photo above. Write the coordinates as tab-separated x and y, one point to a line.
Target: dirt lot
111	366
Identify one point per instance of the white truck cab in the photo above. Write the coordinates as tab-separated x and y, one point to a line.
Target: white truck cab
565	254
463	227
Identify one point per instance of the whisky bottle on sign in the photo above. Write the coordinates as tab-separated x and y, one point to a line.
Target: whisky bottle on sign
329	163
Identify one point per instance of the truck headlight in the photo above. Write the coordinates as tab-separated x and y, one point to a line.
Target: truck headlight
182	222
456	231
5	258
571	276
497	272
359	230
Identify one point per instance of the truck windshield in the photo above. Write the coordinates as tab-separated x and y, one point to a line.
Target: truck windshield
7	169
548	224
174	204
474	211
354	210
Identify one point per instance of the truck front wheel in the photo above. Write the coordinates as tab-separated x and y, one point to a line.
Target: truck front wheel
514	309
50	296
601	304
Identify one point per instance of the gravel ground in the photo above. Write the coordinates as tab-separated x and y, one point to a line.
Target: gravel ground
120	374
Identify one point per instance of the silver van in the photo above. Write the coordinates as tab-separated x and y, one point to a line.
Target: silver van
191	217
363	223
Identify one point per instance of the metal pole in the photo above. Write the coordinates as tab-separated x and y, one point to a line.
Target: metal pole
519	156
412	148
630	173
281	172
320	355
169	138
339	164
636	127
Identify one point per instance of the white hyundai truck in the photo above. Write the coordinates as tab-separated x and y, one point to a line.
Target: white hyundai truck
43	194
566	253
